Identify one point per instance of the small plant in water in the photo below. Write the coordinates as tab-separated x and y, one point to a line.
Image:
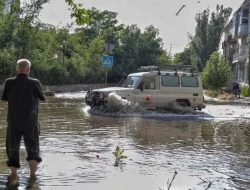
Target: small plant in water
119	156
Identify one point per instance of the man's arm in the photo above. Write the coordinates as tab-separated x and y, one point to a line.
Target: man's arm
40	92
5	92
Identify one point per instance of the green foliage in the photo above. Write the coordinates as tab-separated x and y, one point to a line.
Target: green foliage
185	57
119	156
138	48
217	72
7	63
96	72
59	56
244	89
30	11
80	14
119	153
208	33
248	70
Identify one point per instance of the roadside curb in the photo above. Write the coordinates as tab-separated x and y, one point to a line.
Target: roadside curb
241	101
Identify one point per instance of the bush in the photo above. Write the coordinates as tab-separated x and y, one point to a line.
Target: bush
7	63
245	90
217	72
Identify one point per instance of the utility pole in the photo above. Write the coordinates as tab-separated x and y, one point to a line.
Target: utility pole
109	48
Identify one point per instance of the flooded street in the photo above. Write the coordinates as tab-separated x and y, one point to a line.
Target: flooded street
208	150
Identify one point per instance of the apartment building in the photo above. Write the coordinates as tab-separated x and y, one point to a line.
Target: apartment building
7	4
236	42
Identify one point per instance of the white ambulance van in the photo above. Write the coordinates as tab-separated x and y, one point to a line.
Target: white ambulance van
153	88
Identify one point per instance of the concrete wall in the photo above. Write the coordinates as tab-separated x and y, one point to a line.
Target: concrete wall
75	87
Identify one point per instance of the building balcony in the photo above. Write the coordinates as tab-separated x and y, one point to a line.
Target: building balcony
242	30
240	57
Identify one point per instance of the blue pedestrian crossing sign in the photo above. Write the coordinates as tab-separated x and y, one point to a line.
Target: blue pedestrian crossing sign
107	60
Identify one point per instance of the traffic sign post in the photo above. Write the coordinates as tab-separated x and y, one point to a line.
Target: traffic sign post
107	61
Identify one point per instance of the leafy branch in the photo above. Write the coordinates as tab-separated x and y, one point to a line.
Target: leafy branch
80	14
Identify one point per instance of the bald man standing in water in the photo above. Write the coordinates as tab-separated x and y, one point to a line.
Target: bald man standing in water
23	94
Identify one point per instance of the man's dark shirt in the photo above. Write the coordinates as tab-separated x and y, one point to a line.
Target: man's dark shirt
22	94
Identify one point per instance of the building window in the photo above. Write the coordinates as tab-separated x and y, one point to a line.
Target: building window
244	19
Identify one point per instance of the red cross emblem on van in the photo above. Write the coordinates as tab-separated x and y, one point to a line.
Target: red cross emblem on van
147	99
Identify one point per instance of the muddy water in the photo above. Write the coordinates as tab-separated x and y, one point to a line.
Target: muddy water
77	147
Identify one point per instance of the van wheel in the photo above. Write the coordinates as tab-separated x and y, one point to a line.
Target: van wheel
183	103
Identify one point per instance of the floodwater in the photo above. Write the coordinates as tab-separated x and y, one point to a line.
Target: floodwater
206	150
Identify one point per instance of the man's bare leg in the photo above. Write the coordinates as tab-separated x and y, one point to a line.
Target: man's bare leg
13	173
13	178
33	168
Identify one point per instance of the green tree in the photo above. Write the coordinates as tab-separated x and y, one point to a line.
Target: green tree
217	72
29	11
248	71
59	56
185	57
138	48
150	47
102	23
78	12
7	63
8	50
208	33
94	71
127	53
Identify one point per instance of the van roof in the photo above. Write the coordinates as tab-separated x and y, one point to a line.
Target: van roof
163	73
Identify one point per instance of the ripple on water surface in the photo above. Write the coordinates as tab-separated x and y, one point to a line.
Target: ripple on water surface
77	146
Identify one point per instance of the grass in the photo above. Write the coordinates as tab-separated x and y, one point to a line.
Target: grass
244	90
220	94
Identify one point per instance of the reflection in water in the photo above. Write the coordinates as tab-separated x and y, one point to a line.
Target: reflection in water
200	151
23	183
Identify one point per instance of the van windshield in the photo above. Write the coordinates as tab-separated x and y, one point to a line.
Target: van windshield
132	82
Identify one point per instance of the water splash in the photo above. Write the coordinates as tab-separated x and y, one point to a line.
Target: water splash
119	106
175	107
71	95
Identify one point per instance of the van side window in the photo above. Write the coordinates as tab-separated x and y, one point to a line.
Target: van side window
171	81
149	83
189	81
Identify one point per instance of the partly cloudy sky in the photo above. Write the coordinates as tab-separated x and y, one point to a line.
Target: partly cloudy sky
160	13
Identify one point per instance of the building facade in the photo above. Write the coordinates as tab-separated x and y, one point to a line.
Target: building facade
236	42
7	4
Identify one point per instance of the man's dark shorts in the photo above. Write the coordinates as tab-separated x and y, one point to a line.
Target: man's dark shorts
30	133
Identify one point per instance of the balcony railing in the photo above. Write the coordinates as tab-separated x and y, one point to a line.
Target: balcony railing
240	57
242	30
